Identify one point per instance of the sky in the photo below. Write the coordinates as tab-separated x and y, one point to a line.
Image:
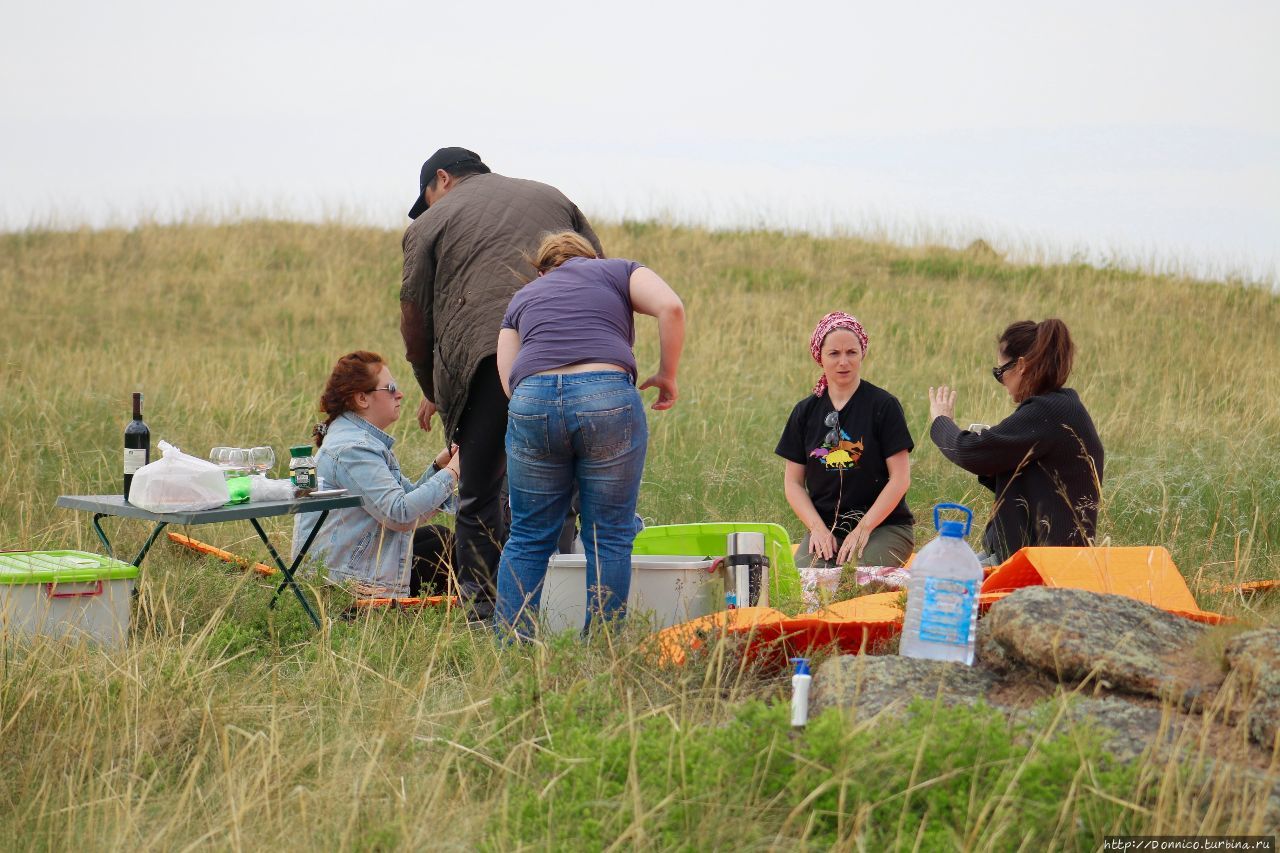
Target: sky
1137	132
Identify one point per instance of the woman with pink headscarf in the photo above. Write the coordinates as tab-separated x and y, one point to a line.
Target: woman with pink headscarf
846	448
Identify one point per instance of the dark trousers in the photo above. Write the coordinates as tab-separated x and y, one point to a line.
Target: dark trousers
432	560
481	524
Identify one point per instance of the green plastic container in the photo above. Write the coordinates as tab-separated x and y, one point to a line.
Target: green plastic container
66	594
709	539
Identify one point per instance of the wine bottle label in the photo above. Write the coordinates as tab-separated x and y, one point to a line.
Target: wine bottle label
134	458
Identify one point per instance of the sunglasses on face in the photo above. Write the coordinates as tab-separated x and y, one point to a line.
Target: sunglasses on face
390	387
999	372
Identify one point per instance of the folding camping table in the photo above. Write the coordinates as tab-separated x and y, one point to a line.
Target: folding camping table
104	505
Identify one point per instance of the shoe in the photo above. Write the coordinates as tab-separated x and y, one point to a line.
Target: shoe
480	611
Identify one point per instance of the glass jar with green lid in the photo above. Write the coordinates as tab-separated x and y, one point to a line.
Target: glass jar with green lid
302	470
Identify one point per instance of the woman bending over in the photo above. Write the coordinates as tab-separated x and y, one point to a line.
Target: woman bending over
576	418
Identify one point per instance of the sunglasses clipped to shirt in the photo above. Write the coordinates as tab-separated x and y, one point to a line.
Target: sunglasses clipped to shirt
832	420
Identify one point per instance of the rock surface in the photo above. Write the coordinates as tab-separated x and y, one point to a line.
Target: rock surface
1255	656
1073	634
867	684
1041	652
1127	729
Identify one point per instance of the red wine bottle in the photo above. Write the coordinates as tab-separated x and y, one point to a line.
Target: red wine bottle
137	445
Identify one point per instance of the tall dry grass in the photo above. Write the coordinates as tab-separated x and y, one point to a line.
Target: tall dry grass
226	725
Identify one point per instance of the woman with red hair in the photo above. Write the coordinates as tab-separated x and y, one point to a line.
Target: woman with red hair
378	547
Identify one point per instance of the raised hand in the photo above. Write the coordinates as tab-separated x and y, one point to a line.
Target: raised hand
942	403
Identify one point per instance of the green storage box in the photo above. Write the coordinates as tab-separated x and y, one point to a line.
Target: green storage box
66	594
709	539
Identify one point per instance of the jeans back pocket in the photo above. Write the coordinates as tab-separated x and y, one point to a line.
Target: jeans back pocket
606	434
527	436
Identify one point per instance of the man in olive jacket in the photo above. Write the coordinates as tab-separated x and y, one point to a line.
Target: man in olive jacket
464	258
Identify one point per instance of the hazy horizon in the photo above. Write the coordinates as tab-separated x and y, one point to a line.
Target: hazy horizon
1148	133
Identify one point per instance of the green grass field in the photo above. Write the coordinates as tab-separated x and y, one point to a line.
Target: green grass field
225	725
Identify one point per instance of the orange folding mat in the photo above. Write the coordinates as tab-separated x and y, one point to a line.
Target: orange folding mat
1146	573
360	603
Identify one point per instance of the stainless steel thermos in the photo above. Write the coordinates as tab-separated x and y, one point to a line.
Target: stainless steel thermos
746	571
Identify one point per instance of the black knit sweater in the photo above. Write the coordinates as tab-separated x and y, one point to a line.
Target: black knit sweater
1044	464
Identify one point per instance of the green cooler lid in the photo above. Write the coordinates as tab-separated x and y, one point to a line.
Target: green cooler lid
61	567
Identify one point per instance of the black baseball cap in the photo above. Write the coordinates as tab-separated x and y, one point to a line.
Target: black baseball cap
445	158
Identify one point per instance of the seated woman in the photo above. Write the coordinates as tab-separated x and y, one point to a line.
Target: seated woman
379	546
846	448
1043	462
575	417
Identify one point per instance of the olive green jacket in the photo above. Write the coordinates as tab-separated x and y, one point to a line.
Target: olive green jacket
464	258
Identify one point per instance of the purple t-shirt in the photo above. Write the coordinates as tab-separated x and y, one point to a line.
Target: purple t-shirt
580	311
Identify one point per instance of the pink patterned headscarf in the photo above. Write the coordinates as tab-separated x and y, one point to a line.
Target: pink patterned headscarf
828	324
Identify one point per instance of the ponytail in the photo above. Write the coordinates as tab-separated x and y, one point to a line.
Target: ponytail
1047	352
559	247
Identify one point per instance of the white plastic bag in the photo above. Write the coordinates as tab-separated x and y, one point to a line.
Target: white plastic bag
264	489
178	482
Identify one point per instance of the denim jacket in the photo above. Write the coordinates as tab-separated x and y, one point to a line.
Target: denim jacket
371	545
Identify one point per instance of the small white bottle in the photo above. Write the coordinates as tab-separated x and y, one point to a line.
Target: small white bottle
800	693
941	622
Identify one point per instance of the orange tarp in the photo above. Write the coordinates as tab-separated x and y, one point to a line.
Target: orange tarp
1145	573
852	625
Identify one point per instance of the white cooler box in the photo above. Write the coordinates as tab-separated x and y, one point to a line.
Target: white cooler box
674	588
66	594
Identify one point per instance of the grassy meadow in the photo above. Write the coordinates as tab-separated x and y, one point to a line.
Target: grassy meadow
229	726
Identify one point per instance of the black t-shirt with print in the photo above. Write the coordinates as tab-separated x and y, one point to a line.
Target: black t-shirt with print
848	470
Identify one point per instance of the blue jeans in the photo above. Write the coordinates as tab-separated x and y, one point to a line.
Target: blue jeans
587	428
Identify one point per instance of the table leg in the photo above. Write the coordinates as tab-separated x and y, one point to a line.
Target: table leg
160	525
106	543
289	570
102	536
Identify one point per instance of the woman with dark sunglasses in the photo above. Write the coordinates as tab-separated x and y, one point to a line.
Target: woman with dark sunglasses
846	448
380	547
1043	462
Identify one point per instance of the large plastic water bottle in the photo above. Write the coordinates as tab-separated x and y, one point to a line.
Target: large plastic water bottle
941	621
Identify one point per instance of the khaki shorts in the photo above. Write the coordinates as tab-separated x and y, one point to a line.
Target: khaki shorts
889	545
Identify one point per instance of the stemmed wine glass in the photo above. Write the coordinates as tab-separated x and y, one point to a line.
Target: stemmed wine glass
221	456
262	459
237	460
